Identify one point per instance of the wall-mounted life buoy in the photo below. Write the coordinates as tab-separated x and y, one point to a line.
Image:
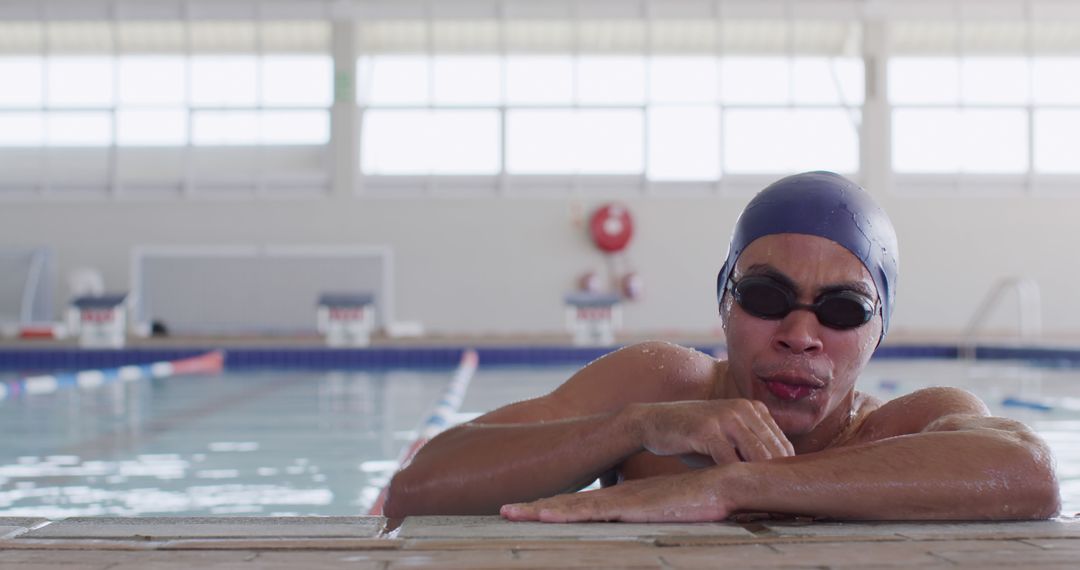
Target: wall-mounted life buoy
611	227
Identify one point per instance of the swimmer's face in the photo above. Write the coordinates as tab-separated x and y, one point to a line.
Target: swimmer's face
802	370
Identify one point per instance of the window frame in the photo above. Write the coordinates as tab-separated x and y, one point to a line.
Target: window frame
310	170
559	184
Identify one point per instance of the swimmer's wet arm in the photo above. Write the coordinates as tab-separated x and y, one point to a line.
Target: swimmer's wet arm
549	445
960	467
990	468
476	468
935	454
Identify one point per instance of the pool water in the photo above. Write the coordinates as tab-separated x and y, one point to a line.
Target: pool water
324	443
238	443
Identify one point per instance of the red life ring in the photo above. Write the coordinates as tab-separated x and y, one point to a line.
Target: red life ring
611	227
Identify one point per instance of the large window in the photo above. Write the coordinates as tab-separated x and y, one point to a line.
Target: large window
985	98
695	95
589	99
960	115
664	117
164	100
145	104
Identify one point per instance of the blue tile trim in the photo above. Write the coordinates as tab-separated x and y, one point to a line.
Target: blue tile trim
1052	357
53	359
79	359
917	351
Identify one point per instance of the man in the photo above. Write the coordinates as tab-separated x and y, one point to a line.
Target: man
805	296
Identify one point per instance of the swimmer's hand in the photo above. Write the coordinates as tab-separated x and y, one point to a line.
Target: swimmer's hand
711	432
687	497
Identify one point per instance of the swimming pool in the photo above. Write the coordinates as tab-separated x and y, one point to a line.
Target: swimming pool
324	442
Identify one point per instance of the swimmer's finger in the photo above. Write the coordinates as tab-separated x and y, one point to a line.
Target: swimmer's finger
581	507
520	512
779	441
771	436
721	452
746	439
657	499
571	507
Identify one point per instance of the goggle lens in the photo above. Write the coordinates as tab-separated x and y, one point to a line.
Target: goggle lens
765	298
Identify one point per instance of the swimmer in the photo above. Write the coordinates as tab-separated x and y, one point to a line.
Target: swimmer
805	297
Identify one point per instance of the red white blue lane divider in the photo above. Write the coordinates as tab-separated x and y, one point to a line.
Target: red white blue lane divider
439	418
209	363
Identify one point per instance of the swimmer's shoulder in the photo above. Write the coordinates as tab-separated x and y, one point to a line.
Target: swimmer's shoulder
655	371
911	413
646	372
688	373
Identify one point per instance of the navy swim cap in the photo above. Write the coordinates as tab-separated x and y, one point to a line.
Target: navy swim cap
827	205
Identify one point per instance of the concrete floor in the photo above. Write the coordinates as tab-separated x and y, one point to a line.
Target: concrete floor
488	542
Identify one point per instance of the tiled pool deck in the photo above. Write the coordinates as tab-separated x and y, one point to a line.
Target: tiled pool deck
488	542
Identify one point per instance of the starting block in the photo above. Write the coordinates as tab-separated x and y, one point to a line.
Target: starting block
593	317
346	319
100	321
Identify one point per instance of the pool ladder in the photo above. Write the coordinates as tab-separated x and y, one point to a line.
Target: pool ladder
1029	312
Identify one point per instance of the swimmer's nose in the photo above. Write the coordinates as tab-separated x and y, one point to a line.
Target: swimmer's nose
799	332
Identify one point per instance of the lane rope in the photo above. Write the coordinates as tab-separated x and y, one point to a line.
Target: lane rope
208	363
1042	404
439	418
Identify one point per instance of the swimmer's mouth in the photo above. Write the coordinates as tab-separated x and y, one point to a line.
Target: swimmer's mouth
791	389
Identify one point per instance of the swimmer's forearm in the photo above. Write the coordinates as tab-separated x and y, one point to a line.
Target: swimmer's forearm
976	474
477	468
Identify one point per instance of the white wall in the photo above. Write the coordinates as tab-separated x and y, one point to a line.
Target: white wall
501	264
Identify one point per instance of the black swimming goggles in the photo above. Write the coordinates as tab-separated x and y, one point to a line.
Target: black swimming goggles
766	298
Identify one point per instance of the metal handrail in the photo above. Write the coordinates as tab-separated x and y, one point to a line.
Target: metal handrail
1029	311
